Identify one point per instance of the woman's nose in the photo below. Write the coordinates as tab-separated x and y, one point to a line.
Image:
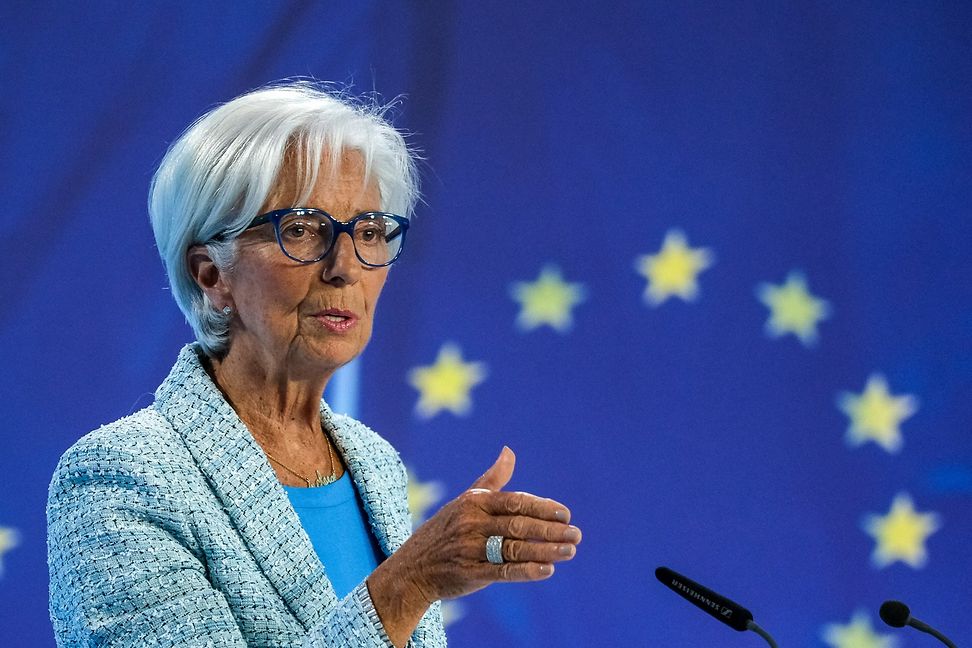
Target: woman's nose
341	265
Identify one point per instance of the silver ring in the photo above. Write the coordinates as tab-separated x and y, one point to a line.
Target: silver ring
494	549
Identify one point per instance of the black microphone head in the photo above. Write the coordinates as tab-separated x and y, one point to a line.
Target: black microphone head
895	613
728	611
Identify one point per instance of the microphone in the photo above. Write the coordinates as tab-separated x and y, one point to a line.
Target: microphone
897	615
726	610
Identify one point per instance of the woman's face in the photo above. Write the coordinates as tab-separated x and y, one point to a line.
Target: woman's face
317	316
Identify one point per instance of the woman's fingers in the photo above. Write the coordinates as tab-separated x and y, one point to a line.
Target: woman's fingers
518	527
499	473
507	503
538	552
521	571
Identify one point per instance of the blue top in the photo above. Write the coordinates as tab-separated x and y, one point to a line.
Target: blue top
336	524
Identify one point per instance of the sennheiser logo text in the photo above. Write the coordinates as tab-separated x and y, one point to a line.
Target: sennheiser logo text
721	609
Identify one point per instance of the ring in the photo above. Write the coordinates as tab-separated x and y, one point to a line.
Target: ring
494	549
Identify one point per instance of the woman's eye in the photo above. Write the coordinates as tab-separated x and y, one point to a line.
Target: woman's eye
369	234
298	230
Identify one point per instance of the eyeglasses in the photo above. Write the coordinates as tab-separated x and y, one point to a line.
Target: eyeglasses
307	235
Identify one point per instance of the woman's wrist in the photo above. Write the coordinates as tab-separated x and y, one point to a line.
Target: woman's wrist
398	599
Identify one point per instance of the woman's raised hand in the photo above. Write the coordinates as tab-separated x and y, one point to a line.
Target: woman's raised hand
452	562
446	556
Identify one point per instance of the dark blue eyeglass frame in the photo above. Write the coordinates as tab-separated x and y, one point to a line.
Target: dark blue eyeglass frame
276	215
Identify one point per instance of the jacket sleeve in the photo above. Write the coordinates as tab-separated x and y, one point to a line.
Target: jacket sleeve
122	568
357	605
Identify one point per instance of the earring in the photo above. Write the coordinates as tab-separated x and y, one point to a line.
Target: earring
227	310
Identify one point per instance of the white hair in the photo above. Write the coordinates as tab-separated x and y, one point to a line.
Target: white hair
214	179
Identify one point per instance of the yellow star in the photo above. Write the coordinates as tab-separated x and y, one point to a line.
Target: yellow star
9	538
792	309
673	271
901	534
876	415
548	300
857	634
422	496
446	384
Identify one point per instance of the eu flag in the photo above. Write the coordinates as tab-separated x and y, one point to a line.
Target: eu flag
704	267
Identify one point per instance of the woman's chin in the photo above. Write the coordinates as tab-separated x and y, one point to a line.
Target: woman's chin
328	356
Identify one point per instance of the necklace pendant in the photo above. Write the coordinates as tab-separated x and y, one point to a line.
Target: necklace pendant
322	480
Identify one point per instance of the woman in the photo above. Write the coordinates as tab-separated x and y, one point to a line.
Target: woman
196	521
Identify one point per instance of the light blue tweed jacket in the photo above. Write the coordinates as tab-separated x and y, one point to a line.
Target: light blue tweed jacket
169	528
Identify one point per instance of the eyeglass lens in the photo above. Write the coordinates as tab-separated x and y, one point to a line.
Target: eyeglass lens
307	236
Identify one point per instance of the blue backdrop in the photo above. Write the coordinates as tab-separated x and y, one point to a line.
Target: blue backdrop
704	267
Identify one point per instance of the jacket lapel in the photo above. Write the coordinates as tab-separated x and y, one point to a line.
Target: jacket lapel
377	474
244	482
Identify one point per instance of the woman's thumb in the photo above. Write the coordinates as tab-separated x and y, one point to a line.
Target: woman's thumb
499	473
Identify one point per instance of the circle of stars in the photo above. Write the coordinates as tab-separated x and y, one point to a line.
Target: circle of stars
673	271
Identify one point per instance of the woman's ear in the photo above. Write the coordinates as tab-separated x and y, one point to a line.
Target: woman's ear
208	277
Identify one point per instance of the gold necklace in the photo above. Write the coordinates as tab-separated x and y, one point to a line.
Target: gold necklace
321	480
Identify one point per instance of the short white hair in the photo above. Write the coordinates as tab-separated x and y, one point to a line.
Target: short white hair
214	179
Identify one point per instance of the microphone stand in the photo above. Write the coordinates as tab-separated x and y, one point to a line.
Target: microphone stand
751	625
924	627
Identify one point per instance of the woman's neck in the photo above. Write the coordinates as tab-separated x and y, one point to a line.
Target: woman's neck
281	409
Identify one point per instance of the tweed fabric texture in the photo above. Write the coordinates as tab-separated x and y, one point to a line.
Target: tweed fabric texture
169	528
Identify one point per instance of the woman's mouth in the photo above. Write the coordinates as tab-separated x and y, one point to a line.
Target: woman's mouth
337	321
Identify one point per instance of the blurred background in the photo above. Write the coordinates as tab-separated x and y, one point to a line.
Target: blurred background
704	266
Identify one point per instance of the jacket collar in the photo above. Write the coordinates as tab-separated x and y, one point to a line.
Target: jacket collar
241	477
